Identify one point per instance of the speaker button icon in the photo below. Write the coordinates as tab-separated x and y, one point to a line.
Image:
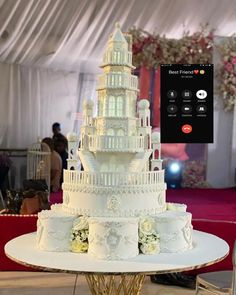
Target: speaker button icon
201	94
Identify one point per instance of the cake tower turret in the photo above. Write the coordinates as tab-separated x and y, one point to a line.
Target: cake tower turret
72	161
117	140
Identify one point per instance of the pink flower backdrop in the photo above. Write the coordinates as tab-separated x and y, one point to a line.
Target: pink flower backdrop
227	73
151	50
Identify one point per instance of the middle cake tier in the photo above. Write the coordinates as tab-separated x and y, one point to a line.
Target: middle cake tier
113	193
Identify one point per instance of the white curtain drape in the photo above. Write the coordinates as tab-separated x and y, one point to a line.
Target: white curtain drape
86	90
71	34
31	100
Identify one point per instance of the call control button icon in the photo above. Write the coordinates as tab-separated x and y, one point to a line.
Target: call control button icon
201	109
201	94
172	109
187	128
186	94
186	109
172	94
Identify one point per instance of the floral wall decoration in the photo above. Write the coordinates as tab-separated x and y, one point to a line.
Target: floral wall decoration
227	73
151	50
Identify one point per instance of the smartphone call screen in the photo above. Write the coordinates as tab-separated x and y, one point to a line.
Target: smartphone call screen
187	103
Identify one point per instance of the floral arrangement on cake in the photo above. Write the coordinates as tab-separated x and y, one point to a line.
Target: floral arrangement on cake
79	235
149	241
227	73
151	50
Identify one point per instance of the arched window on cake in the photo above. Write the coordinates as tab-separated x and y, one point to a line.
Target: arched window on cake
104	108
119	80
118	56
119	106
111	106
110	132
133	107
120	132
114	56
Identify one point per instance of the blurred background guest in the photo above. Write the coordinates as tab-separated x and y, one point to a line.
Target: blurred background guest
56	166
56	130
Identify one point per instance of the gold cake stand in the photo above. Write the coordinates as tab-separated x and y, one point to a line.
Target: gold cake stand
117	277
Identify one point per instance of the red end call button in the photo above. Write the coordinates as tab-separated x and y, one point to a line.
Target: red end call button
187	128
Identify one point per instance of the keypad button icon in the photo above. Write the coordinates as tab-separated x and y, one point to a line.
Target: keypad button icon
171	94
172	109
186	94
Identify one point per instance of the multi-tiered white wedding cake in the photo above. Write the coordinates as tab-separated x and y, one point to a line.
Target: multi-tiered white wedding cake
116	207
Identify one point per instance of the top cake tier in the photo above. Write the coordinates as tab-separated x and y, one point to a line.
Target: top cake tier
119	129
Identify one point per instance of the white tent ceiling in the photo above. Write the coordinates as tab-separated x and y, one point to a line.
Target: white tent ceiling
71	34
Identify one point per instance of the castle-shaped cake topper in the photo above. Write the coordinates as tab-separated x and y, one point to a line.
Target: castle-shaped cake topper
119	137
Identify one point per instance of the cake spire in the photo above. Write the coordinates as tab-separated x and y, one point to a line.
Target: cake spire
117	25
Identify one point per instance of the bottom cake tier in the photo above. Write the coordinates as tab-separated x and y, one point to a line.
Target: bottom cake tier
115	238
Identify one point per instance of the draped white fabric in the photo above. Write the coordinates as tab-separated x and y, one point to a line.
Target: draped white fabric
31	100
68	33
87	90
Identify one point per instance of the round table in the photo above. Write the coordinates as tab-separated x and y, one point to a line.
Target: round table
102	275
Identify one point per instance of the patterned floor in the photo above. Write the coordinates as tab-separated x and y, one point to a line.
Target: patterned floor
28	283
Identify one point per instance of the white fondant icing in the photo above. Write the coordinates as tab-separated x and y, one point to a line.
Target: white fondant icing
53	230
113	238
156	137
130	202
57	207
175	231
176	207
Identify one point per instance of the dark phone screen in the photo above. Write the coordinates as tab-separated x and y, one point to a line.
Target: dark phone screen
187	103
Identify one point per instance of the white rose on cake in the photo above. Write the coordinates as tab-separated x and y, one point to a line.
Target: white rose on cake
79	247
81	223
149	242
79	235
146	226
150	248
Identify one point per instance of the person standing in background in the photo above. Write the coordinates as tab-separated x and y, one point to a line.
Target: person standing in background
56	130
56	166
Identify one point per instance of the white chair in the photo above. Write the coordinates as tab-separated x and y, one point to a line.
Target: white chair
219	282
